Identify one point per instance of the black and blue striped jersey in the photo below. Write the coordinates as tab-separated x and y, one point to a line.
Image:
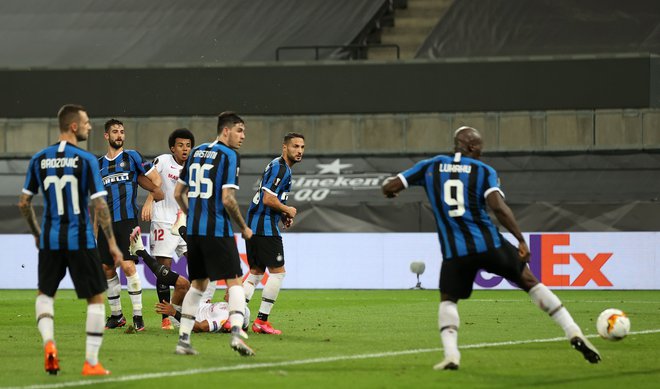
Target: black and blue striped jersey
68	177
210	168
120	176
457	189
276	180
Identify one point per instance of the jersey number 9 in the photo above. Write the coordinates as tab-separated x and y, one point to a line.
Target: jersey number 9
453	196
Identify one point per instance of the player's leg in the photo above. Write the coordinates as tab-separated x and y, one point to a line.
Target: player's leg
268	297
267	252
94	327
199	279
545	299
507	264
448	323
236	306
51	270
89	282
134	287
116	318
188	310
456	279
257	270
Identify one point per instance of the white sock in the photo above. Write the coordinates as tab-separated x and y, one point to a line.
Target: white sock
188	311
45	310
236	306
271	291
250	284
135	293
448	322
210	291
550	303
94	327
114	289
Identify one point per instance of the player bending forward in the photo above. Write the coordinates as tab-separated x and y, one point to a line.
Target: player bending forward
459	187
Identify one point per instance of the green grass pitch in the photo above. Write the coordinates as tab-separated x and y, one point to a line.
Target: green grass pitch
348	339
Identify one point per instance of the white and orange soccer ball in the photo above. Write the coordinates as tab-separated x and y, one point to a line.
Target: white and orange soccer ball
613	324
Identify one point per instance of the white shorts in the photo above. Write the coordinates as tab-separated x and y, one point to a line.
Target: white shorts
163	243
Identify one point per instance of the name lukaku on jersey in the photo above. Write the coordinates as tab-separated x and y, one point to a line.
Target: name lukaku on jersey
118	177
450	168
59	162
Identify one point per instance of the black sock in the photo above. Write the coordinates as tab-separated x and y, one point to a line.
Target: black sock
262	316
163	292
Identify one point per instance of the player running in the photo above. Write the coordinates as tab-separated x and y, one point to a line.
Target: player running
458	188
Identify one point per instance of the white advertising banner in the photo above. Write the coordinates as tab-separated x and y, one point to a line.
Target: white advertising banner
607	260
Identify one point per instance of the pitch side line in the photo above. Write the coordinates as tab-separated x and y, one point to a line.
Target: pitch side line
137	377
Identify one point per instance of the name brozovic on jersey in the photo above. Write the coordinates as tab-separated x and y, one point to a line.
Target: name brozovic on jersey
120	176
457	189
276	180
68	177
210	168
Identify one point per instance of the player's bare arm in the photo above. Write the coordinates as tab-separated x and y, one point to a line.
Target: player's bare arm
392	186
102	216
147	208
27	210
181	196
231	205
270	200
151	182
505	216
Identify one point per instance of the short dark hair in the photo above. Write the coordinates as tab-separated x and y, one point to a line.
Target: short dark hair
291	135
228	119
68	114
182	133
112	122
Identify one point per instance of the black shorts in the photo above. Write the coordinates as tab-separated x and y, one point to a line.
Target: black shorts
84	267
122	230
457	274
214	258
265	251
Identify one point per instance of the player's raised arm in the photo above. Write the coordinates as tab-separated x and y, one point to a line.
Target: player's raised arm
505	216
231	205
27	210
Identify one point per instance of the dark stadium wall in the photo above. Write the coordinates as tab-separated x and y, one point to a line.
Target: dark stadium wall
340	88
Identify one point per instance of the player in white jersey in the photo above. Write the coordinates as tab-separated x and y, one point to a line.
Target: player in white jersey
210	317
163	213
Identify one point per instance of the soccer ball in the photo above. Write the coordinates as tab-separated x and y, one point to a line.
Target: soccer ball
613	324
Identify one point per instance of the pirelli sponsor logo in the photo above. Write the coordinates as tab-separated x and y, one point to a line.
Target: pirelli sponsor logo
117	177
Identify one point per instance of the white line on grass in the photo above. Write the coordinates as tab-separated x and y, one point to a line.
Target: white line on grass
246	366
563	301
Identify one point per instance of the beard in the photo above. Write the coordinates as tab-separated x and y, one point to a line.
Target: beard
116	144
81	137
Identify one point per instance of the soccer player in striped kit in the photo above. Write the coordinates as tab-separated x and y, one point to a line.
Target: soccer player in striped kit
265	249
68	177
459	187
206	194
121	170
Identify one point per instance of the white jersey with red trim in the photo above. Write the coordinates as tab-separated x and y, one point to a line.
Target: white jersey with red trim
165	211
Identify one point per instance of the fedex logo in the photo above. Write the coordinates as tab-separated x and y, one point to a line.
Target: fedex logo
550	250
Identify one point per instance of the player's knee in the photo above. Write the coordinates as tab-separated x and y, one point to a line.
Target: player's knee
182	284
